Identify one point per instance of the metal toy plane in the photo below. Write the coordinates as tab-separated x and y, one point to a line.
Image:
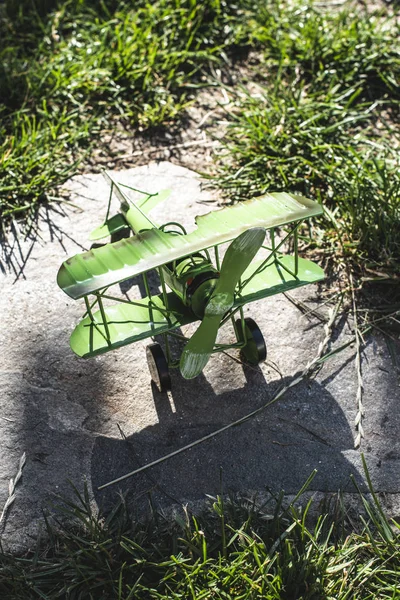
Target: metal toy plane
203	288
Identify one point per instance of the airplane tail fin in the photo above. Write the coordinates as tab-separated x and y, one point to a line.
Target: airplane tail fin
144	205
147	203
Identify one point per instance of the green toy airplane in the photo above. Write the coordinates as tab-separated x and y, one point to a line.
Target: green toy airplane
203	288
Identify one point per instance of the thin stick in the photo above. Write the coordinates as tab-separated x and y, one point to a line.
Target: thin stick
310	366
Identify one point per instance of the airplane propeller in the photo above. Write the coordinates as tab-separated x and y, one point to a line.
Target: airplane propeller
237	258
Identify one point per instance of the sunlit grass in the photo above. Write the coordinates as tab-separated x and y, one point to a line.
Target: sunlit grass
317	114
323	147
320	117
67	74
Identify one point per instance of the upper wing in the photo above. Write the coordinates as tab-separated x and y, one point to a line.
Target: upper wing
127	323
91	271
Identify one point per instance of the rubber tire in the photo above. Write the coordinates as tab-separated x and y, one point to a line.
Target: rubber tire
158	367
255	351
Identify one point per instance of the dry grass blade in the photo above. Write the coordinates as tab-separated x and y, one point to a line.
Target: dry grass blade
11	488
360	387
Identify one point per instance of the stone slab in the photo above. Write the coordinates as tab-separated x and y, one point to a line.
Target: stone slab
67	414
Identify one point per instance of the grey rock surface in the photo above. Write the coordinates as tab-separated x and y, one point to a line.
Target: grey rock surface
67	414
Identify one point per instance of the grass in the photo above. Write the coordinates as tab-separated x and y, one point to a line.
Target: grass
235	548
318	146
318	114
72	70
322	120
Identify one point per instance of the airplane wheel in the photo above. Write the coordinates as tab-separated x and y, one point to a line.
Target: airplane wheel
255	350
158	367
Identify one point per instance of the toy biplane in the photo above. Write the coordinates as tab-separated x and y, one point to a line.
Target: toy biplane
196	283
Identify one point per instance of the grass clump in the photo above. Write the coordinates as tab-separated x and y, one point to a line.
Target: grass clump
330	48
41	154
322	120
234	549
72	70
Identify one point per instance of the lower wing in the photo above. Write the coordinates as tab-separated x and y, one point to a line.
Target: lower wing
277	277
126	323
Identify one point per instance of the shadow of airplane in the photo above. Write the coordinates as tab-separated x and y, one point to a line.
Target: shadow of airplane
277	449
